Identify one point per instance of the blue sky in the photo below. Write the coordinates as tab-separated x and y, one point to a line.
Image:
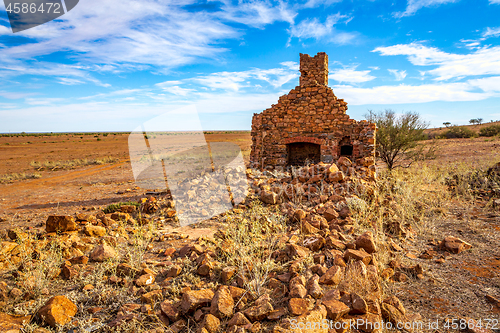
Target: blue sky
112	65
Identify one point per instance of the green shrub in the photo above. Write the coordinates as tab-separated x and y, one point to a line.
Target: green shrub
460	132
490	130
116	206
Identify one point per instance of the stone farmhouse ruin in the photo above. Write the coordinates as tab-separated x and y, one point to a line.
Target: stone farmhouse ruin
310	125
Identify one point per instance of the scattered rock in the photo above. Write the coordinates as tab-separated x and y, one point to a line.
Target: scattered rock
57	311
222	304
60	223
454	245
193	299
102	252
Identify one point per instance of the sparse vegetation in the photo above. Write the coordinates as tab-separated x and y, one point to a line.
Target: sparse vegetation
18	176
60	165
460	132
116	206
397	136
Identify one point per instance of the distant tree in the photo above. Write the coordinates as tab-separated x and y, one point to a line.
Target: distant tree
447	124
397	136
479	120
473	121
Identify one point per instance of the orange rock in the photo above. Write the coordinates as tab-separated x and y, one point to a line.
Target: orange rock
57	311
60	223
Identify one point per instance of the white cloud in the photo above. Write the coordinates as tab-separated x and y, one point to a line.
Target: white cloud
257	14
494	2
489	84
317	3
237	80
69	81
14	95
414	5
313	28
492	32
402	94
399	75
117	35
483	61
351	75
43	101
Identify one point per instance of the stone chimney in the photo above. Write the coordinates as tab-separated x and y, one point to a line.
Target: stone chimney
314	69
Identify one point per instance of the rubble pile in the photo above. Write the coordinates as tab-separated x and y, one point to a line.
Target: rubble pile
321	268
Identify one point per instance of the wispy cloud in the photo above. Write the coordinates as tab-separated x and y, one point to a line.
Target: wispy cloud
403	94
483	61
398	74
237	80
492	32
118	35
317	3
313	28
351	75
414	5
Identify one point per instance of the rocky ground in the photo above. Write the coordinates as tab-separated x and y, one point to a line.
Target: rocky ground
324	248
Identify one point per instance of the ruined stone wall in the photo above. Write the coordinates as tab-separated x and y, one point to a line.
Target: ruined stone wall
310	113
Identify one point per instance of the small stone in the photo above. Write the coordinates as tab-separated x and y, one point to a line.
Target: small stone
94	231
60	223
259	312
102	253
152	296
269	197
211	323
193	299
332	276
88	287
390	313
358	304
238	319
298	306
145	280
57	311
298	215
395	302
313	287
222	304
228	273
357	255
298	291
366	242
123	270
454	245
307	229
174	271
169	310
335	309
295	251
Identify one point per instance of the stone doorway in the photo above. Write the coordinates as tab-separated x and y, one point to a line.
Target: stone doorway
300	153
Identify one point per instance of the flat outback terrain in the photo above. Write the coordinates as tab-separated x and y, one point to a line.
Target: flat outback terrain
420	247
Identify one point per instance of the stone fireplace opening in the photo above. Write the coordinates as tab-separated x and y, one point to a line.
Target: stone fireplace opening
346	147
300	153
